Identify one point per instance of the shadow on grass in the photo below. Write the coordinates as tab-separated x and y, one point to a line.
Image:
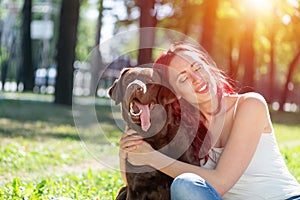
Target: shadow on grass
32	111
38	120
19	132
286	118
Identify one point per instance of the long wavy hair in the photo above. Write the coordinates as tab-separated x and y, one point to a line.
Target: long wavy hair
202	142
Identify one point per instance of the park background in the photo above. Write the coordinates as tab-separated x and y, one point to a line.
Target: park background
49	55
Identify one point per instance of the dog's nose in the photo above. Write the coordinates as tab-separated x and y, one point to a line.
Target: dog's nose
140	89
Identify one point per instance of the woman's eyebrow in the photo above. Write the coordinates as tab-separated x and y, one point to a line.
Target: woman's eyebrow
182	72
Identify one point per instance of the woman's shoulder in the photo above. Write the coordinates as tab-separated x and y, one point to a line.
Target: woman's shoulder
253	96
252	100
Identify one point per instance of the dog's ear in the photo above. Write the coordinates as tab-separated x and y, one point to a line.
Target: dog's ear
115	91
166	96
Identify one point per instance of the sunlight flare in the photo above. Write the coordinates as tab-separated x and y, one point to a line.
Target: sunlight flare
260	6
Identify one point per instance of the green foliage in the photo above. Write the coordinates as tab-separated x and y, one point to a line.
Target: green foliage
18	156
292	159
90	185
86	39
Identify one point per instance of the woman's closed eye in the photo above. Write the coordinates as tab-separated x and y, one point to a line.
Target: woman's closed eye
182	77
196	67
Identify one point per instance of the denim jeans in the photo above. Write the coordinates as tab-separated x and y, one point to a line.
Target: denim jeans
294	198
191	187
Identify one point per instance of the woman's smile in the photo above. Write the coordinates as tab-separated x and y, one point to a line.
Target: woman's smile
202	87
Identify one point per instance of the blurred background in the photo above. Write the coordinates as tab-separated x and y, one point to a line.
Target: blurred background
43	42
58	53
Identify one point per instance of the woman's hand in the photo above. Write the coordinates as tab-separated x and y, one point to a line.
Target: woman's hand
129	142
134	148
141	155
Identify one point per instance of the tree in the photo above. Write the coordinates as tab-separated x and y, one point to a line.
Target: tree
69	15
272	66
248	54
96	57
147	36
208	24
27	67
291	69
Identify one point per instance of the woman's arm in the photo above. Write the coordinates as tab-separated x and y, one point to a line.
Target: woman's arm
250	120
128	143
122	161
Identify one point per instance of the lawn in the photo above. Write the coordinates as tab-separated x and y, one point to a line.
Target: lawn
42	156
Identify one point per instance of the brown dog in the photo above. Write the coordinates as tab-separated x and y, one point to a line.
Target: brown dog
148	108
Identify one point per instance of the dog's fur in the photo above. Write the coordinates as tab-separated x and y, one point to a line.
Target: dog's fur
152	184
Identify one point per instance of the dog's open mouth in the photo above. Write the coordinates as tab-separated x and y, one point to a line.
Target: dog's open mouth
140	114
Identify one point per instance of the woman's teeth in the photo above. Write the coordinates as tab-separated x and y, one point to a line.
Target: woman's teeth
203	88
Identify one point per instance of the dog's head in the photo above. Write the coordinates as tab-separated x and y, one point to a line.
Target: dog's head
143	99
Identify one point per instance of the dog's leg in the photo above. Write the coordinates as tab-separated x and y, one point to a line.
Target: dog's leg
122	193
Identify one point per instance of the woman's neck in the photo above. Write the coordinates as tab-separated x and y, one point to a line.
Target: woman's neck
212	113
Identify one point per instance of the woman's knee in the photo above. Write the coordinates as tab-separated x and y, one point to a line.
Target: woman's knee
191	186
185	183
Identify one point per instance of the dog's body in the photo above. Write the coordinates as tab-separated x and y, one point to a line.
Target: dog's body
142	99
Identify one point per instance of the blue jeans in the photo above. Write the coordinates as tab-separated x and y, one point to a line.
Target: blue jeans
191	187
294	198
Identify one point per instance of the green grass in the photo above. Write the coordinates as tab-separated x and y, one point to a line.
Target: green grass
90	185
43	155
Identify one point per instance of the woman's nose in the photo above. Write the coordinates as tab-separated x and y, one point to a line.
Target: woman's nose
194	77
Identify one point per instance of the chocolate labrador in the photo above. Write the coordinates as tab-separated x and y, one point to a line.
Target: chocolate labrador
148	107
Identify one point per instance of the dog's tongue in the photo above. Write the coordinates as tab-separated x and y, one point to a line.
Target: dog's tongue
145	116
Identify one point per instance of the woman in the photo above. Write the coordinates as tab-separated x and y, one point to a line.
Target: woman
243	162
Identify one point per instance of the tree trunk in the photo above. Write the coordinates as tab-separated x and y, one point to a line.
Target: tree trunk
99	22
96	57
248	55
27	68
66	51
147	35
291	70
208	24
272	66
232	62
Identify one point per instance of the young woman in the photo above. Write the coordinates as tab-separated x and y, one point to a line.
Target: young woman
243	162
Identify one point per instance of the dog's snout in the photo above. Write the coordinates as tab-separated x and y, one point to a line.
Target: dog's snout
138	85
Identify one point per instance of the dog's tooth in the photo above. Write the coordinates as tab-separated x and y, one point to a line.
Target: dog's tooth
131	108
131	105
151	106
132	111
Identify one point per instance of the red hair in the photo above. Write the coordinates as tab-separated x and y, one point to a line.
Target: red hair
201	143
163	62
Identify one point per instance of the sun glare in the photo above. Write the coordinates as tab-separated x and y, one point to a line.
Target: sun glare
260	6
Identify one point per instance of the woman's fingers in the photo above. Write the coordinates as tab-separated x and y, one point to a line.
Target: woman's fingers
130	132
129	140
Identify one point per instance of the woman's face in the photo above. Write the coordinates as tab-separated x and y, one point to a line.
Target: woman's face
192	80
